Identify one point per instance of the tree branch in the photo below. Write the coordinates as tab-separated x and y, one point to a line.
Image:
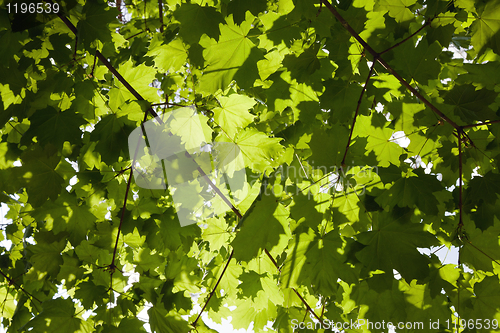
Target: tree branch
384	64
427	23
213	290
19	286
356	114
160	9
108	65
481	124
460	179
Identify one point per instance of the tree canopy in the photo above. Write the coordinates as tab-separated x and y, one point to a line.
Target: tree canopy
367	132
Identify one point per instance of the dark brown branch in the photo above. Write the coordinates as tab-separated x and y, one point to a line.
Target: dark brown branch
126	84
160	9
460	179
119	7
12	282
112	266
356	114
481	124
108	65
384	64
93	66
427	23
216	189
273	260
295	290
134	35
310	309
213	290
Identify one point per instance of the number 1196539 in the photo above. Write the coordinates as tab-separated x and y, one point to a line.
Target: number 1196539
32	8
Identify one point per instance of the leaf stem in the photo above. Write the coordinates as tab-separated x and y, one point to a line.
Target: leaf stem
356	114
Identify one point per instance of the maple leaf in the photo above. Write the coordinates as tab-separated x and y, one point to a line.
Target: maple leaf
234	56
233	113
485	28
94	26
261	230
393	246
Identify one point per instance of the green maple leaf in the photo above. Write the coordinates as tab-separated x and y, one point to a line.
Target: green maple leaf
262	229
39	172
162	321
281	82
192	128
486	300
397	9
303	65
421	307
66	215
485	28
234	56
111	135
394	246
385	150
377	304
481	195
328	148
481	75
250	284
98	16
216	233
413	191
168	57
139	76
341	97
316	260
58	316
52	126
13	82
233	113
240	7
11	44
420	62
470	104
189	13
481	248
253	149
130	325
90	294
47	257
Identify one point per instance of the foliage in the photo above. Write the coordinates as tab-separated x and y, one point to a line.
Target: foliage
316	96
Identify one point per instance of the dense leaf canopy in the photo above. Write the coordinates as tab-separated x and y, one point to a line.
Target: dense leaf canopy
367	132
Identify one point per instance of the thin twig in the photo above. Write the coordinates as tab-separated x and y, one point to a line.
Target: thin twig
310	309
213	290
481	124
19	286
427	23
137	34
356	114
384	64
